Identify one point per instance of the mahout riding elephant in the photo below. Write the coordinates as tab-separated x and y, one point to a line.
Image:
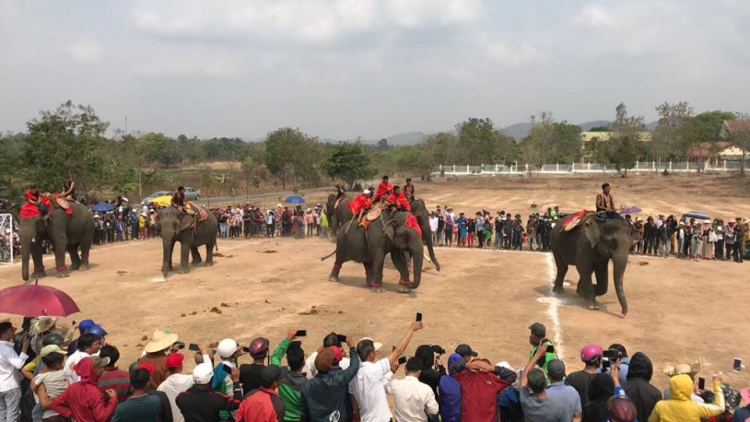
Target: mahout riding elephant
370	246
67	233
176	227
590	246
339	214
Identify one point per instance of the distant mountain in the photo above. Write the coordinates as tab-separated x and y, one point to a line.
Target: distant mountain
401	139
520	130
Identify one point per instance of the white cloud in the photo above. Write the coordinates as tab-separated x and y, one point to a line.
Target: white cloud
595	16
511	55
85	51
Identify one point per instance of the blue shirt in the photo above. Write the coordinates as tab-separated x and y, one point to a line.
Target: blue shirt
566	396
450	399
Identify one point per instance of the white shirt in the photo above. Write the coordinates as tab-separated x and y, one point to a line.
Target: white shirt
413	400
368	387
433	224
10	366
70	373
172	387
311	371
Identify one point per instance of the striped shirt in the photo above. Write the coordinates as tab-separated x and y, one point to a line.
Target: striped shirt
115	379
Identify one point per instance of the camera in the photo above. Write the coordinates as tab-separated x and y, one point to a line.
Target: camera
179	345
437	349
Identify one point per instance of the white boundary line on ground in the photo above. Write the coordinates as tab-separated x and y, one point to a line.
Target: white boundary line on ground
552	310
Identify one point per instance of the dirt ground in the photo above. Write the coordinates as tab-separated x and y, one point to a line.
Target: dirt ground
678	309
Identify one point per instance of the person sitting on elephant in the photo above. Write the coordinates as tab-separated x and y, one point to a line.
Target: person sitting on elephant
69	189
385	188
36	204
397	201
360	204
409	189
604	201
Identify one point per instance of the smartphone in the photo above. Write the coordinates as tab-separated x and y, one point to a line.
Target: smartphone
301	333
194	347
402	360
246	349
419	316
737	365
341	337
227	368
606	364
550	348
701	383
610	354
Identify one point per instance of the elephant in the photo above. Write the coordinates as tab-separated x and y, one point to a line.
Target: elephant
175	226
339	214
66	233
590	246
370	246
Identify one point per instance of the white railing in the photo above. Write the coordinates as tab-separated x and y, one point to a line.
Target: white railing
713	166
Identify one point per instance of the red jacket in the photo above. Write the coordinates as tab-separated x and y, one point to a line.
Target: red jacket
83	400
384	189
479	395
262	405
400	200
359	203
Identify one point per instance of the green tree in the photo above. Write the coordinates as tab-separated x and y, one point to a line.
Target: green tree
12	175
741	138
382	145
668	141
248	171
68	141
349	163
626	133
161	149
290	151
475	140
441	148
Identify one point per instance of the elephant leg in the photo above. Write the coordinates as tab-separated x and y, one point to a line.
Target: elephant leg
368	273
184	258
210	254
562	269
197	260
75	260
399	261
601	274
334	276
85	250
585	288
171	252
38	258
377	262
61	247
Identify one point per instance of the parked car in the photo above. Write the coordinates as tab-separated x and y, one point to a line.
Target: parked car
147	200
192	194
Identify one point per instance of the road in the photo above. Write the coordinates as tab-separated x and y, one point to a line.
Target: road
241	199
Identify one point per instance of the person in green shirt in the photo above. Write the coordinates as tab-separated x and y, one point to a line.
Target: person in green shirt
537	336
290	389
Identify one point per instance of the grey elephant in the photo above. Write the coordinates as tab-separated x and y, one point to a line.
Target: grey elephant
67	233
339	215
176	227
370	246
590	246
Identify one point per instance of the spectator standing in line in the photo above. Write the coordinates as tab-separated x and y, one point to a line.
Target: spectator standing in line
50	382
324	398
434	227
431	371
10	372
367	387
471	228
602	388
200	404
462	227
508	231
537	335
82	400
177	382
449	390
413	400
113	378
264	404
741	232
679	407
290	388
88	345
730	238
498	227
591	356
157	350
479	223
650	236
638	386
537	407
565	395
663	240
140	406
250	374
440	227
696	242
133	224
450	223
718	229
681	235
531	232
480	385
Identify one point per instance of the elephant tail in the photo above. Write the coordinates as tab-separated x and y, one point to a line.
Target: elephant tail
216	246
323	258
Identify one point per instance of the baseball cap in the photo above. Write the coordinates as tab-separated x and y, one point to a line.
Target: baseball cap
148	367
175	360
538	329
272	373
86	325
202	373
259	347
99	362
337	354
52	348
556	369
465	350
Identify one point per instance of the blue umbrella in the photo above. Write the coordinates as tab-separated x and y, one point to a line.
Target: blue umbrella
697	215
102	207
295	200
630	210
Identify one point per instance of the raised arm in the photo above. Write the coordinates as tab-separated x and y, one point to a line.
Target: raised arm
401	346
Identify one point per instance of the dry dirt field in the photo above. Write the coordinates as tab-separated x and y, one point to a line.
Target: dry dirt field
678	310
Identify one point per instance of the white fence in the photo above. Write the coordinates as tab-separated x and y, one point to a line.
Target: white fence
715	166
6	239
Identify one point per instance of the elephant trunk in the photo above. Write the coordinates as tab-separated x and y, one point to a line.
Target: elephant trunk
417	260
25	256
431	251
619	272
167	261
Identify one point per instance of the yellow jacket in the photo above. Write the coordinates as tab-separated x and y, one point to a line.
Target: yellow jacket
679	408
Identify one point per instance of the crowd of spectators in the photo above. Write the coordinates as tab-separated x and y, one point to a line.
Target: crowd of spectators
686	238
48	375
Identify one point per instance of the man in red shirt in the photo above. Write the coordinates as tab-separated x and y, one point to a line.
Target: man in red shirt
114	378
83	400
480	384
36	203
384	189
264	404
399	200
361	202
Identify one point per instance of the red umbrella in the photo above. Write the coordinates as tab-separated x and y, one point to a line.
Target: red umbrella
33	300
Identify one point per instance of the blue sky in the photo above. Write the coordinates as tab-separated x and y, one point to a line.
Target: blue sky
370	68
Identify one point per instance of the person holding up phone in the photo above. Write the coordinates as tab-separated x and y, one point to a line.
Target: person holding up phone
413	400
534	401
679	407
331	339
177	382
290	389
324	398
229	351
538	337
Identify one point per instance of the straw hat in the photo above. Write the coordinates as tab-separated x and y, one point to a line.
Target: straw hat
42	324
160	340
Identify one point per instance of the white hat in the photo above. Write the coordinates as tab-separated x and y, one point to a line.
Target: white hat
367	192
375	344
202	373
226	348
504	364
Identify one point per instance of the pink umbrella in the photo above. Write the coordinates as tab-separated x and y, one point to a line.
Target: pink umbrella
33	300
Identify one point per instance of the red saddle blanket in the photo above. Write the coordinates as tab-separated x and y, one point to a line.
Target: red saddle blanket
411	222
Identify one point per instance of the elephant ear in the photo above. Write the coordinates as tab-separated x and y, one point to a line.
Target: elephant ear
390	232
592	232
185	221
